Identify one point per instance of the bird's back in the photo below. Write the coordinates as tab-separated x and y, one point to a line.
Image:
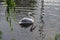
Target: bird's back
27	20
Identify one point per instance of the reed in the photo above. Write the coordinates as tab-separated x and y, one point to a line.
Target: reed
10	10
0	34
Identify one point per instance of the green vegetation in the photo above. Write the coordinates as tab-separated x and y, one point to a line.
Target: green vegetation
10	12
10	9
11	29
56	37
1	0
0	37
0	34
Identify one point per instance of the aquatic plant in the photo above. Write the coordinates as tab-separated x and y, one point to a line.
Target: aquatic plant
0	34
10	11
57	36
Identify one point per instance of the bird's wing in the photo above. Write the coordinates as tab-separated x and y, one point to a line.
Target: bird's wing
26	20
29	19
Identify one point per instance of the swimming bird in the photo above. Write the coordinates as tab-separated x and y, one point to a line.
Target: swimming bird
27	21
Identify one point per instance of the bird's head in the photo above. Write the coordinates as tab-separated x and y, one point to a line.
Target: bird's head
30	13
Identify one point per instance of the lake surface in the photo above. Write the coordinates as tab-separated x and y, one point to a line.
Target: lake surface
51	19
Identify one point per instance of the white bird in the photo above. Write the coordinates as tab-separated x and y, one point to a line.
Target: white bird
27	21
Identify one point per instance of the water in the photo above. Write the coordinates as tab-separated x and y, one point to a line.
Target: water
51	19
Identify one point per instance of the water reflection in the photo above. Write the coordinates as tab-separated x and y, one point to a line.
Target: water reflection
42	23
25	3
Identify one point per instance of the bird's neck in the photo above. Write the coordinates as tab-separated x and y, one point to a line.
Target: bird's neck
30	16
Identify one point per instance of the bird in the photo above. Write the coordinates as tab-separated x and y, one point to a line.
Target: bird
27	21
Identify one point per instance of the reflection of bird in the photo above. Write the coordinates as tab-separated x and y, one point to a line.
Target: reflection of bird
27	21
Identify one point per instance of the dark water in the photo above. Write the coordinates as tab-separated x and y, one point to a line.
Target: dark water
51	19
